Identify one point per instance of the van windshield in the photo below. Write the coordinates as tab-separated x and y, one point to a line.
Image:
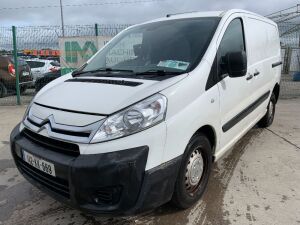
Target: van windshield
166	47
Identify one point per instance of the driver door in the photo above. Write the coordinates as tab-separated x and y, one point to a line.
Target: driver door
234	92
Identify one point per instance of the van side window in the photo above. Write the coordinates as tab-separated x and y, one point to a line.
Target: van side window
232	41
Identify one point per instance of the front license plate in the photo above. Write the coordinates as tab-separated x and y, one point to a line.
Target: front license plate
25	73
39	163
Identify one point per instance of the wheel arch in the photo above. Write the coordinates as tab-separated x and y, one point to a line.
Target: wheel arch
210	133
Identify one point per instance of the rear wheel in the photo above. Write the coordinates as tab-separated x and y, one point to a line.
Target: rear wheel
194	172
3	90
268	118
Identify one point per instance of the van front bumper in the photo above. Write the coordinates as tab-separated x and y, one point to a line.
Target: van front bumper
108	183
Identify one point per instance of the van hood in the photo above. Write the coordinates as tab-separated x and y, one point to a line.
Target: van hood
101	95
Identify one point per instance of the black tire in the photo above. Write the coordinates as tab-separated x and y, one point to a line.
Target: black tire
3	90
268	118
185	193
23	89
39	84
38	87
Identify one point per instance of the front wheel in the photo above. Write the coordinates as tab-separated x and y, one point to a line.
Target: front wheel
194	172
268	118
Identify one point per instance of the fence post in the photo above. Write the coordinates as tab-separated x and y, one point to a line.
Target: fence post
96	29
289	59
14	33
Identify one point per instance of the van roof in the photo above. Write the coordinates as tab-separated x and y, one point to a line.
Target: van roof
196	14
224	13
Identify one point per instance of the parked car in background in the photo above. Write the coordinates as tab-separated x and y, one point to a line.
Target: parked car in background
45	79
27	57
8	75
42	66
54	58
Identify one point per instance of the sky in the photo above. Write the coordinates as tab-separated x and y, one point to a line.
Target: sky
120	12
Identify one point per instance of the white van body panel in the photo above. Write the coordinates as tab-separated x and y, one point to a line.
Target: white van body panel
190	105
235	94
64	118
113	97
51	85
264	49
153	137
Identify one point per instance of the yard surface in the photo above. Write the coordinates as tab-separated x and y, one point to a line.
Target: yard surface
258	182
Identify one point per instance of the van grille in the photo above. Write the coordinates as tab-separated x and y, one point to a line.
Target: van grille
59	131
54	184
52	144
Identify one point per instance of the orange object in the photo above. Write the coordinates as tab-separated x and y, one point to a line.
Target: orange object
36	52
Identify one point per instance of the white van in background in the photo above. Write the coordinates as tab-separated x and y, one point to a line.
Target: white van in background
141	122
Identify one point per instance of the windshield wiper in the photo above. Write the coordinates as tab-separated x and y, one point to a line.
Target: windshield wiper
159	72
104	69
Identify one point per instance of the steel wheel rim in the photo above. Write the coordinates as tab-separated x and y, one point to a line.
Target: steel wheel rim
194	171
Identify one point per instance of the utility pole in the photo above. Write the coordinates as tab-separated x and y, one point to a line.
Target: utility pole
62	18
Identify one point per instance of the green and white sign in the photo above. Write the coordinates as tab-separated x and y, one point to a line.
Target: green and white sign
75	51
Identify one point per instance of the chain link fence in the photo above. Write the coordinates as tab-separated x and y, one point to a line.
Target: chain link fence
290	53
7	83
43	55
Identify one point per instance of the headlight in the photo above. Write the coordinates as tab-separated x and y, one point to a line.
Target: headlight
133	119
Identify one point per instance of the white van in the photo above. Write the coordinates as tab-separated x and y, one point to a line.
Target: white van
141	122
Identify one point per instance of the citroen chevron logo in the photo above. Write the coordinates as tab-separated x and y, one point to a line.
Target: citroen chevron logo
46	124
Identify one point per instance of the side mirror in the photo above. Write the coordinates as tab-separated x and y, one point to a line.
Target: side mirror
236	64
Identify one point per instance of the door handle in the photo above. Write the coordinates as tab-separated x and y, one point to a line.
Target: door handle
256	73
249	77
